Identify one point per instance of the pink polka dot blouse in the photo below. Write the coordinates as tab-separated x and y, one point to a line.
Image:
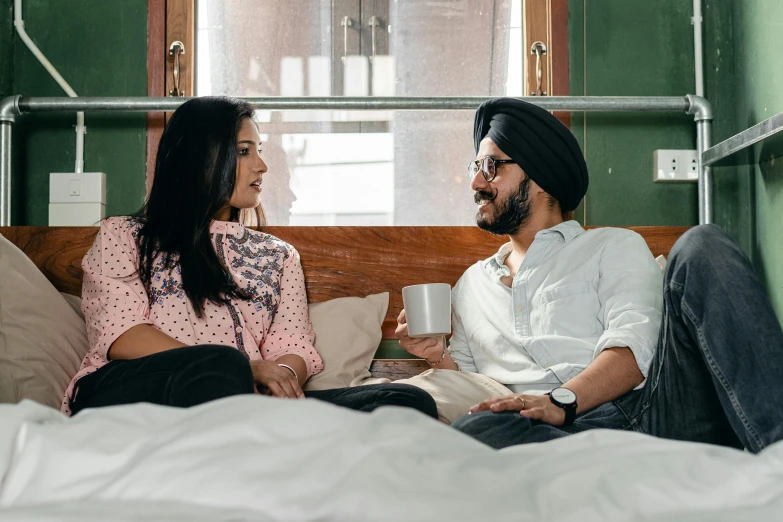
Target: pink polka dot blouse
273	322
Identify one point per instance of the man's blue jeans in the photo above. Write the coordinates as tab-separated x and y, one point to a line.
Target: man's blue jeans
717	375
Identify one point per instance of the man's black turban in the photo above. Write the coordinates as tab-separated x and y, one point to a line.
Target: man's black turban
544	148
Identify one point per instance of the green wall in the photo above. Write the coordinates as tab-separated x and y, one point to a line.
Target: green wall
100	48
757	36
732	188
621	48
646	49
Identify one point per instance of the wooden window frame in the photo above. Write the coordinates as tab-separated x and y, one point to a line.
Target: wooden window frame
547	21
167	21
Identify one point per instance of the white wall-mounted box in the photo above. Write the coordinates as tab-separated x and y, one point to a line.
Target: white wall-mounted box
77	199
76	214
675	165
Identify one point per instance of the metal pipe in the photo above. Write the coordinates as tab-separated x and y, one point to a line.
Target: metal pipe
6	132
702	111
699	107
558	103
16	105
9	108
703	141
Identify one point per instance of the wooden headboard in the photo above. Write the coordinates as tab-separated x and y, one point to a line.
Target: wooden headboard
337	261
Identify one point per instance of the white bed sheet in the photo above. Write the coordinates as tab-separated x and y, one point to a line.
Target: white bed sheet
258	458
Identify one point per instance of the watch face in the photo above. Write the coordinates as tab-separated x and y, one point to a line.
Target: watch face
563	395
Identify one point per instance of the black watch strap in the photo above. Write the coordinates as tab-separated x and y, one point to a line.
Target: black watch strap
570	412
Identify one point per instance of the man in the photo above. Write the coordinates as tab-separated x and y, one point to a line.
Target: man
574	321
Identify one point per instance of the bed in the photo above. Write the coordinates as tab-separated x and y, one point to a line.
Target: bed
259	458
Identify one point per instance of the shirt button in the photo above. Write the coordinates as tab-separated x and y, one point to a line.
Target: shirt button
520	307
239	329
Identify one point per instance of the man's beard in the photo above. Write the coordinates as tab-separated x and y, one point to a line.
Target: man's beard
508	216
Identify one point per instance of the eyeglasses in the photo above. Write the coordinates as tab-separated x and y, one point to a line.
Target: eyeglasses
487	167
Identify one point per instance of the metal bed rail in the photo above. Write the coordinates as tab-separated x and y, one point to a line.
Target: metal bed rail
15	106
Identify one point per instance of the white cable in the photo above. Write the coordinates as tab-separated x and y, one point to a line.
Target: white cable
697	48
80	129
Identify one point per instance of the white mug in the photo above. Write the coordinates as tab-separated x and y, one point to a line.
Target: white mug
427	309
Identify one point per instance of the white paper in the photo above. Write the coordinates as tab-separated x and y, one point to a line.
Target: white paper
291	76
319	77
292	84
356	82
383	75
384	80
356	76
319	83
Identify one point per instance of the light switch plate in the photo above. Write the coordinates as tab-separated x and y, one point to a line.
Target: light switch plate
70	187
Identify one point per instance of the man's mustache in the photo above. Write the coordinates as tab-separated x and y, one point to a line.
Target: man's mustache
483	195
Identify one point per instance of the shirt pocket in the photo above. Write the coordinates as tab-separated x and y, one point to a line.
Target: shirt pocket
570	310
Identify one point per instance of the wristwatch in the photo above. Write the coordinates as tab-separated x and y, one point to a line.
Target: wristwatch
566	399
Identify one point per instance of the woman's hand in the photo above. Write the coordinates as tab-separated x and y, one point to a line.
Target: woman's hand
535	407
428	348
277	380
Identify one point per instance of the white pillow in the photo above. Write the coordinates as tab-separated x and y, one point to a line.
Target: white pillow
42	340
75	302
454	392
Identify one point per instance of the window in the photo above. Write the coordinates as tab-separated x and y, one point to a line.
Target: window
361	167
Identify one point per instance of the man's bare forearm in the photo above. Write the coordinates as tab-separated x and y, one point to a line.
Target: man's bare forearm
613	373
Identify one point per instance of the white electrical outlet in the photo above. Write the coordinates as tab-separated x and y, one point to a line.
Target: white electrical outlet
675	165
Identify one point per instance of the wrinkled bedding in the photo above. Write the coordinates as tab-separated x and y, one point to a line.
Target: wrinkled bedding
259	458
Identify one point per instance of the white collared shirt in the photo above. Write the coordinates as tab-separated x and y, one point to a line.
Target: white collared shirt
575	294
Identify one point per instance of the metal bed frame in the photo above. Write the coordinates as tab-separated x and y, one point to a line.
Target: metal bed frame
15	106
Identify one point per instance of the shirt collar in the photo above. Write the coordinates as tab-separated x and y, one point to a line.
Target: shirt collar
229	228
568	230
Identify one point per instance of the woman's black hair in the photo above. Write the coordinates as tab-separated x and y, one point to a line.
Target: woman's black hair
195	174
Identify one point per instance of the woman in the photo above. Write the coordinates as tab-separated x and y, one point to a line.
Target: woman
184	304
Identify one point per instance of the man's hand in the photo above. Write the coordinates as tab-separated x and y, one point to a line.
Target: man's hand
429	348
534	407
279	381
